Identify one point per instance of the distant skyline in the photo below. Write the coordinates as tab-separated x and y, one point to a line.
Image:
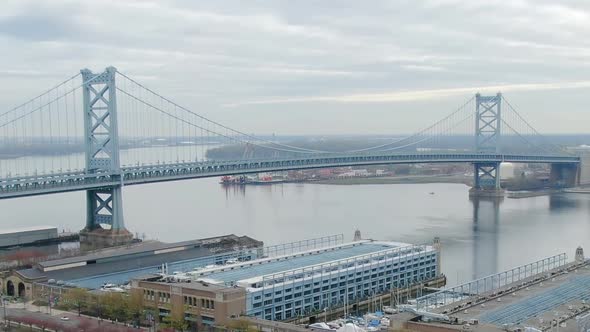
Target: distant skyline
313	67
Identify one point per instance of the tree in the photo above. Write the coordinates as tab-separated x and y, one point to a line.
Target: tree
116	306
152	312
95	305
77	297
176	320
136	306
108	303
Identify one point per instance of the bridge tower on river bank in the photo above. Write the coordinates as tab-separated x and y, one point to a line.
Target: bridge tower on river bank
104	206
488	124
488	139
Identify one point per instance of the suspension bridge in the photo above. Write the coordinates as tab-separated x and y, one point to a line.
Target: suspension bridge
98	132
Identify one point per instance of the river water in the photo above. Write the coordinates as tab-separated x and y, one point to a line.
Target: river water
479	237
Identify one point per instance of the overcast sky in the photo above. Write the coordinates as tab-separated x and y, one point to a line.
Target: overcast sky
314	67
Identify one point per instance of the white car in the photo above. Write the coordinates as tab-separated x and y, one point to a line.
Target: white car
65	318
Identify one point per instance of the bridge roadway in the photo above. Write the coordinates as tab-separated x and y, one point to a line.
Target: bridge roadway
134	175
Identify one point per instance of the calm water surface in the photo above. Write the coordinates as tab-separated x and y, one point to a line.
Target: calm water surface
479	237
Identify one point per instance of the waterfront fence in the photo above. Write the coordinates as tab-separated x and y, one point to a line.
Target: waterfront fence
490	283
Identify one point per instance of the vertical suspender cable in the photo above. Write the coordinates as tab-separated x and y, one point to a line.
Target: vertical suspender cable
136	118
67	142
41	139
50	135
176	135
14	146
26	156
78	164
145	128
59	138
201	142
34	159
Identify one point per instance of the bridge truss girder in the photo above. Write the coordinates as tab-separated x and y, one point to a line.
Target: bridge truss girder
488	121
101	139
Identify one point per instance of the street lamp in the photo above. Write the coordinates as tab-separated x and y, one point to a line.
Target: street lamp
98	309
50	299
4	307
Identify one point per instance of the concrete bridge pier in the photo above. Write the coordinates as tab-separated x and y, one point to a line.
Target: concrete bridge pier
104	220
564	175
486	180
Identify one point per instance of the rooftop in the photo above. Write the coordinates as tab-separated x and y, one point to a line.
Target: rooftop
262	267
119	265
202	287
561	297
148	247
26	229
575	289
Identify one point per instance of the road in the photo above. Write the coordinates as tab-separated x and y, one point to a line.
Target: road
56	318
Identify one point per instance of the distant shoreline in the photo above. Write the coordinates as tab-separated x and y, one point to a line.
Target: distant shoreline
394	180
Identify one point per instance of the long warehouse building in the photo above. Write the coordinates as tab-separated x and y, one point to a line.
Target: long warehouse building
295	284
27	235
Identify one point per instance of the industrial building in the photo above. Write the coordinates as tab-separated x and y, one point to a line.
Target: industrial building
549	294
120	265
288	285
201	304
26	235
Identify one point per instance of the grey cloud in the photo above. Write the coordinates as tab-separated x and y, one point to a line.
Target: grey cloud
35	28
207	54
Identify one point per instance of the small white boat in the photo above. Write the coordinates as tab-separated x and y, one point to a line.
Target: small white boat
350	327
389	310
320	327
113	289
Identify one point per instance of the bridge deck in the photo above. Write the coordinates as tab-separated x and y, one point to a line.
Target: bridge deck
80	180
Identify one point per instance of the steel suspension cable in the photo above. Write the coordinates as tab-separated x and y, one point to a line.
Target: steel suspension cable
459	109
524	138
290	147
533	130
207	130
469	116
39	96
303	150
50	101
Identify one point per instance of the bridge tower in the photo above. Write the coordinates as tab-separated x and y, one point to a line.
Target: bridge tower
104	206
488	120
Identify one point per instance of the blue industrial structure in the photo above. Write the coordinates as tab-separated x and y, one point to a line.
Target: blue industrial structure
292	285
140	114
